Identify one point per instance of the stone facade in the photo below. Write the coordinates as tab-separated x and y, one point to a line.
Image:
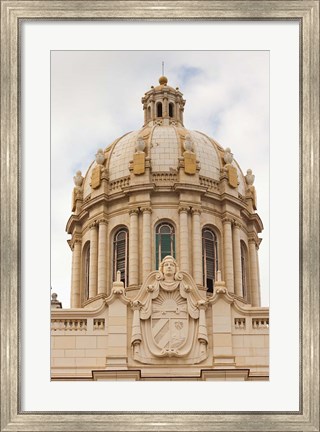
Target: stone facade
163	194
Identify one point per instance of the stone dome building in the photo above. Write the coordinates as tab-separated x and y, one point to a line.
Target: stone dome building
156	192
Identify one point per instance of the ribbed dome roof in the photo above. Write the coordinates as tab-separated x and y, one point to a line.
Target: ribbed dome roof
163	146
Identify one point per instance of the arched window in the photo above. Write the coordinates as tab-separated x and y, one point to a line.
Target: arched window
244	272
171	109
165	242
209	258
86	270
120	255
149	113
159	109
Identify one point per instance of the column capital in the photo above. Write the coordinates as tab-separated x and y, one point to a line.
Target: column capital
93	225
146	210
183	209
253	240
237	224
103	221
196	211
76	240
133	211
227	220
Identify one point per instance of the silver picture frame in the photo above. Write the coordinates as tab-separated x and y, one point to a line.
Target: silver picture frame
12	14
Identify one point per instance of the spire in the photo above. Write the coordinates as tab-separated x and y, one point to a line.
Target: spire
163	105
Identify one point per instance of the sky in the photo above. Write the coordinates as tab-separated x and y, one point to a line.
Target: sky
96	98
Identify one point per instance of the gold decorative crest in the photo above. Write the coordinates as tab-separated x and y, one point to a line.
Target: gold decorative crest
232	176
139	163
96	177
190	163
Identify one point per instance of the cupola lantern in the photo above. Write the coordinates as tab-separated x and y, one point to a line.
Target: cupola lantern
163	105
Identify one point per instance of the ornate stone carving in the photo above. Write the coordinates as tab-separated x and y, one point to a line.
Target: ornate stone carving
139	158
146	210
77	190
251	190
184	208
196	211
97	170
228	156
219	285
100	158
103	221
227	219
252	239
169	318
229	169
134	211
78	179
237	224
140	145
118	286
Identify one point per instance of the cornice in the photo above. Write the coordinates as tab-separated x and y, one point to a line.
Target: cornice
79	312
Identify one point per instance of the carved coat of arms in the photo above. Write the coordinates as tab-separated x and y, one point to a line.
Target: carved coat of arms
169	318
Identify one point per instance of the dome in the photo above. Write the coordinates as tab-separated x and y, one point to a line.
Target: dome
163	181
164	149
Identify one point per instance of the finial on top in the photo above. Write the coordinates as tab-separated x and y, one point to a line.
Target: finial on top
118	276
163	80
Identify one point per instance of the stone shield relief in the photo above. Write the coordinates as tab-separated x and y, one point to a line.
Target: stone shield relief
169	324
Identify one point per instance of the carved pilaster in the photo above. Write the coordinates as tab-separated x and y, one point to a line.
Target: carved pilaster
237	258
75	278
184	237
93	259
102	256
228	253
146	241
197	245
254	275
133	247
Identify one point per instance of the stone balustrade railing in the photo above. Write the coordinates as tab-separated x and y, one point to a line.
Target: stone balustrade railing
77	324
72	324
251	324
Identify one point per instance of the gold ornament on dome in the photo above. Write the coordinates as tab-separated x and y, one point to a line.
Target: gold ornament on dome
96	177
190	163
232	176
139	164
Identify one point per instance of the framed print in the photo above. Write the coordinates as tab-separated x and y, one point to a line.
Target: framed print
45	46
